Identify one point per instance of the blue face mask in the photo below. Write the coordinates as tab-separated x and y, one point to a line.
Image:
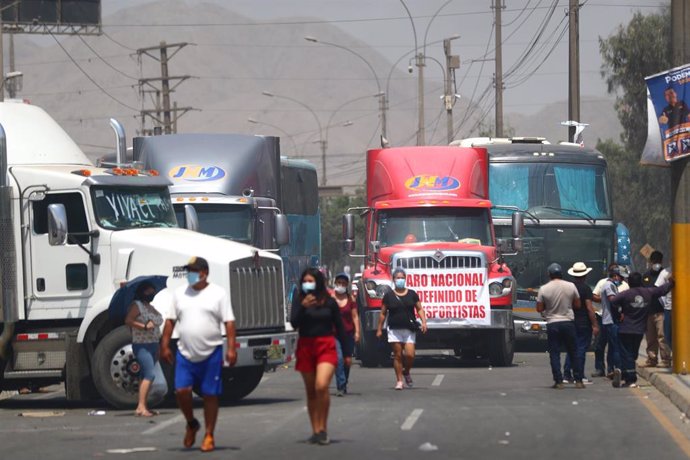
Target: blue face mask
192	278
400	283
617	282
308	287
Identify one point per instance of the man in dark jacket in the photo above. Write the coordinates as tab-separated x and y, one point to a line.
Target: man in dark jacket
633	306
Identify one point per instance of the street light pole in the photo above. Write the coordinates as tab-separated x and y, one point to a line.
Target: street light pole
289	136
322	141
383	105
452	63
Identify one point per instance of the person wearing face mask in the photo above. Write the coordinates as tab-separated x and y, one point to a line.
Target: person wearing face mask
348	312
610	320
199	310
399	307
315	314
145	321
655	335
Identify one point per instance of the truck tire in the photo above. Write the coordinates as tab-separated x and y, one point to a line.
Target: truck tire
115	370
371	351
240	382
501	347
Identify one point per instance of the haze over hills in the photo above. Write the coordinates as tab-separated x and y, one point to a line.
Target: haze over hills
230	66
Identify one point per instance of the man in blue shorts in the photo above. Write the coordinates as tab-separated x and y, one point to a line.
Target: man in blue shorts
200	310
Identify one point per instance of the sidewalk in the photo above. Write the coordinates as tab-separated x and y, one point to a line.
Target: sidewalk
674	386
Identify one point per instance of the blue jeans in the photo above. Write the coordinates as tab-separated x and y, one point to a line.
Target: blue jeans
583	337
630	347
146	354
342	372
562	334
667	328
613	342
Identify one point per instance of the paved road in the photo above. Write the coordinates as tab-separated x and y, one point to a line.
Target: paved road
459	411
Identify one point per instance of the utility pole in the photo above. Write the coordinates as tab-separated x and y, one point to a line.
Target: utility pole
680	187
420	98
452	63
498	78
383	106
2	65
170	115
573	67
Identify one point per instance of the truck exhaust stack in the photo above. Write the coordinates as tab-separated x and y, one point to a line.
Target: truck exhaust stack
8	274
121	151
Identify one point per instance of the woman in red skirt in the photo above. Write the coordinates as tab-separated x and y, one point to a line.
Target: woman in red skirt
316	316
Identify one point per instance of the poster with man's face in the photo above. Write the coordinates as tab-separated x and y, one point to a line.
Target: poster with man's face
670	94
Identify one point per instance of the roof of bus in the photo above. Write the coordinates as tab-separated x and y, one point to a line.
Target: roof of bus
557	153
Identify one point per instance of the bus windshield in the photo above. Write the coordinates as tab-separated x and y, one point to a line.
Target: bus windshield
550	190
543	245
415	225
230	221
120	208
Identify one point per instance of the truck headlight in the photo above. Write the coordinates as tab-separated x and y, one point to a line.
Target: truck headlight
495	289
376	289
501	287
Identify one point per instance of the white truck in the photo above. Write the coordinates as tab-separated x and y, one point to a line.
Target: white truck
70	233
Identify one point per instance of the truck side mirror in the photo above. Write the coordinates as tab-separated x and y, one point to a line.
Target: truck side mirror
349	246
191	218
57	224
375	246
518	224
348	227
282	229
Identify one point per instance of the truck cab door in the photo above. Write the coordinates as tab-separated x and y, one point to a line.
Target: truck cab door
62	274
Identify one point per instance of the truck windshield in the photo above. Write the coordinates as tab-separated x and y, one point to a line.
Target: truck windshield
120	208
229	221
543	245
415	225
551	190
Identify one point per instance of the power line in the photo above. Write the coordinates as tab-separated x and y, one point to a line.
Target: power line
116	42
104	61
89	76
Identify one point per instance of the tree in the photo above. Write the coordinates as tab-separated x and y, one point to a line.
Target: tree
641	195
332	251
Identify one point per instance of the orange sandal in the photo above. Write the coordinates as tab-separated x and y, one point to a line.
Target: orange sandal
208	445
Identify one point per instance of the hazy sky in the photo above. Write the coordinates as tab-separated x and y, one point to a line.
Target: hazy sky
385	25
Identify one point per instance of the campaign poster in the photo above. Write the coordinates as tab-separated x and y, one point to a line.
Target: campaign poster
669	92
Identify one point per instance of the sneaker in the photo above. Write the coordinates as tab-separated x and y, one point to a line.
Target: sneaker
340	393
322	438
557	386
408	380
190	432
313	439
568	379
399	385
579	385
208	444
598	374
616	380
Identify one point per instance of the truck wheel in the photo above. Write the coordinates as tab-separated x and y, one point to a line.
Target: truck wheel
502	347
115	370
367	350
239	382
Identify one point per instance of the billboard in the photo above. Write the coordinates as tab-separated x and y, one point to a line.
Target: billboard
668	115
51	16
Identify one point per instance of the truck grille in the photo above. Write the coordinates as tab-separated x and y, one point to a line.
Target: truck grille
419	262
256	293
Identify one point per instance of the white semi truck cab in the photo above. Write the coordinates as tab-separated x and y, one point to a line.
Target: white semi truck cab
70	233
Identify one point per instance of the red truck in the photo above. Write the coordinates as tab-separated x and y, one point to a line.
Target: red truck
428	212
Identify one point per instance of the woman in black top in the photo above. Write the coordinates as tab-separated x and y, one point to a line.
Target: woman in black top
316	315
400	305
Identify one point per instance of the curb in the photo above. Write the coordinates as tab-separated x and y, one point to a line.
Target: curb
669	384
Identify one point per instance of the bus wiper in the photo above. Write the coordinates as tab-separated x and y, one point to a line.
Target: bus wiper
576	211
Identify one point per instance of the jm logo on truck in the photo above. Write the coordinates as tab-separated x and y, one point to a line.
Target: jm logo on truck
426	183
196	173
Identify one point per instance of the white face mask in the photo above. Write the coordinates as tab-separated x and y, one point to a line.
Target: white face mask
340	289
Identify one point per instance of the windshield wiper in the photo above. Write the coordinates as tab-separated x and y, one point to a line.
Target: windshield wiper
576	211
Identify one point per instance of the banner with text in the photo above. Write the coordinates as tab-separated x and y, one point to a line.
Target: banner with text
669	93
452	297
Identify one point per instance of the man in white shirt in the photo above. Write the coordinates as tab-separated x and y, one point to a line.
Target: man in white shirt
667	302
555	301
200	309
600	342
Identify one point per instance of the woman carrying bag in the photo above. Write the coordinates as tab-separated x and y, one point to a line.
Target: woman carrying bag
399	305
